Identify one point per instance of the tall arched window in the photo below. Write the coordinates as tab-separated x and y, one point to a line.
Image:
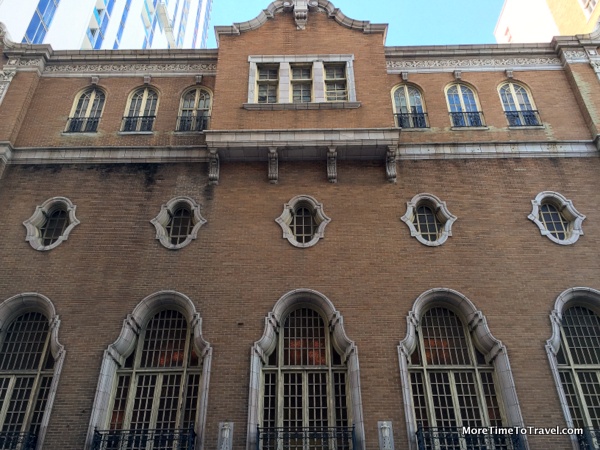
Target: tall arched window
409	107
141	110
152	391
86	112
463	106
305	400
194	113
29	357
574	354
455	376
518	107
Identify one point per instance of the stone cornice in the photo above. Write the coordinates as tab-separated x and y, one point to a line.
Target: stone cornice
279	6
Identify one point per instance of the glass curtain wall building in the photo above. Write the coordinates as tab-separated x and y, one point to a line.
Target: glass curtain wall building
108	24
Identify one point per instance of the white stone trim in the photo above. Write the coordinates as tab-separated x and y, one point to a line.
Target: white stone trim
284	80
161	221
441	212
38	218
445	64
493	350
268	341
566	208
285	219
584	296
116	354
29	302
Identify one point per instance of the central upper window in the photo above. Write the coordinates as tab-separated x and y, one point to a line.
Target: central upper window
297	82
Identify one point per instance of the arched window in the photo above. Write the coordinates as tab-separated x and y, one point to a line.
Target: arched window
449	370
86	112
304	379
153	387
194	113
178	222
518	107
30	355
409	107
463	106
141	110
574	353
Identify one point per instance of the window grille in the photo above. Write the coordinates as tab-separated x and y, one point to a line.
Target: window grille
54	226
180	225
301	84
554	221
26	370
335	83
267	83
427	223
303	224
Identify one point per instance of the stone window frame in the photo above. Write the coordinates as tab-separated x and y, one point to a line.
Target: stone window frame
26	302
575	296
285	219
265	345
565	208
284	93
439	208
38	218
493	350
161	221
116	354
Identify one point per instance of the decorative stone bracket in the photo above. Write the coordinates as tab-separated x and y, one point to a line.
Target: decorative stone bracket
390	164
273	165
213	167
6	77
332	165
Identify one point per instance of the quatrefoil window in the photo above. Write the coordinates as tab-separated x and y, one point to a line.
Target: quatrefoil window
428	219
303	221
178	222
556	217
51	223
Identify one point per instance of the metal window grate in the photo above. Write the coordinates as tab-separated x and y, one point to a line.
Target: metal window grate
54	226
427	224
165	339
304	339
444	338
581	329
554	221
180	225
24	343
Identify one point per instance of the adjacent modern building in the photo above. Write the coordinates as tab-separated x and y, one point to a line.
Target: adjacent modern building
108	24
540	20
300	240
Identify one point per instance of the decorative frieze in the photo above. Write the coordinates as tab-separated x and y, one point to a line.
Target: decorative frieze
205	69
452	63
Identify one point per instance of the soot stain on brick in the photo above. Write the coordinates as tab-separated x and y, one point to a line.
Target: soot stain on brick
49	168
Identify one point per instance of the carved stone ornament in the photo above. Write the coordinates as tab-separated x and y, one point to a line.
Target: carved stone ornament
300	8
124	68
472	62
390	164
6	77
273	174
332	165
225	441
213	167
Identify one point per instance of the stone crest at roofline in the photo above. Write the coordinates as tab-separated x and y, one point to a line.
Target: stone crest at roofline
301	10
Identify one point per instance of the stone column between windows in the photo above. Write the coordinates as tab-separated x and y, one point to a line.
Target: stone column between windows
252	83
283	94
318	81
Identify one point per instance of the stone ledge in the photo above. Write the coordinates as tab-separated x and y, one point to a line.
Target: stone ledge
300	106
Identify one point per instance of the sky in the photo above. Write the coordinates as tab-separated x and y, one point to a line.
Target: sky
411	22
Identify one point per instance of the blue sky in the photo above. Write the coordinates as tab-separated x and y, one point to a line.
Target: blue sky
411	22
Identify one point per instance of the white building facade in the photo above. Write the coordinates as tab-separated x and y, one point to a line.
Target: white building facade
108	24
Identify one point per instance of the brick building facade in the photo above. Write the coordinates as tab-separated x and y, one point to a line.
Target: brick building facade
301	239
